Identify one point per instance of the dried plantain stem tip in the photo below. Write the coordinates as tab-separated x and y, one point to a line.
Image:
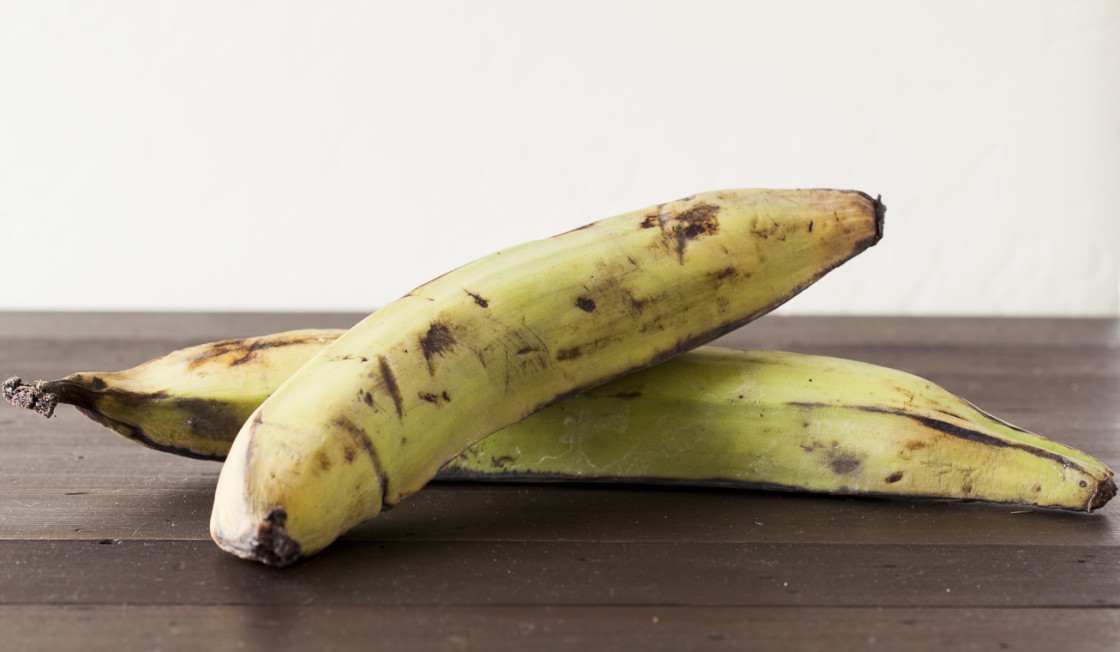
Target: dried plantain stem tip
30	397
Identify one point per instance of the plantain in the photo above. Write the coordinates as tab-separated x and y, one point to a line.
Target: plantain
374	415
789	421
713	416
190	402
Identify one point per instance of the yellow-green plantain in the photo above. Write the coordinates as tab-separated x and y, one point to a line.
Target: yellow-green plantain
773	419
374	416
763	419
191	401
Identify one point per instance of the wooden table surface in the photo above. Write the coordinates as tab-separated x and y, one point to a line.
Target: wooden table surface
104	544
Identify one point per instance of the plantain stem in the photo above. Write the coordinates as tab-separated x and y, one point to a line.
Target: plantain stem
30	397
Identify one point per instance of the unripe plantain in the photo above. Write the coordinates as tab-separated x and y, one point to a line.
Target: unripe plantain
373	417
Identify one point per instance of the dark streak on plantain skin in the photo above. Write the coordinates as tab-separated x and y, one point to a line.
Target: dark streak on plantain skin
568	354
360	437
391	384
954	431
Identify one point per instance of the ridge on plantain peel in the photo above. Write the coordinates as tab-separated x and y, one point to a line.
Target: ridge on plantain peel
372	418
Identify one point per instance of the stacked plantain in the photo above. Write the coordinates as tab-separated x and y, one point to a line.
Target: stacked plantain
582	357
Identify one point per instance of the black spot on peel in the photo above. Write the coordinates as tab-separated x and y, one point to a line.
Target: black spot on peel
585	304
435	342
481	302
366	397
652	220
894	477
433	398
391	384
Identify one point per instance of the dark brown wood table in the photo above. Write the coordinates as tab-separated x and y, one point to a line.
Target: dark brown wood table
104	544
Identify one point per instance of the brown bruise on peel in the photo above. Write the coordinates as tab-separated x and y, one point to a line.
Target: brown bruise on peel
437	340
244	349
844	462
679	229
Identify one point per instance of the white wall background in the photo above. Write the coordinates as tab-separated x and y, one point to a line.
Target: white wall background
274	154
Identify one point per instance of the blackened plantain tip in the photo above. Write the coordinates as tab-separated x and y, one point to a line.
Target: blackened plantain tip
880	217
1106	490
273	546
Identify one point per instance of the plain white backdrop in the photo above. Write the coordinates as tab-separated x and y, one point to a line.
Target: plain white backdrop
281	155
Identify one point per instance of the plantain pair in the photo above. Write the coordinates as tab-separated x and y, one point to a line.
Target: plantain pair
579	356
